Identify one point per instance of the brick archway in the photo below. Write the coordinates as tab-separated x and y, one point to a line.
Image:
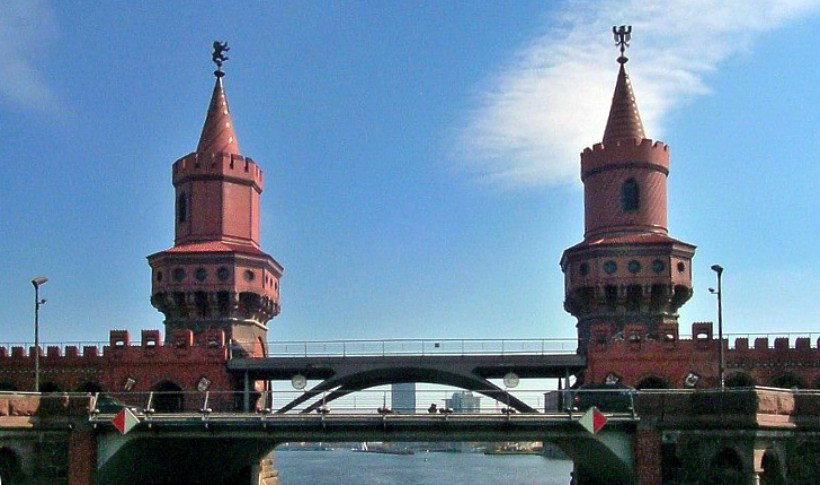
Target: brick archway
652	382
167	397
788	381
10	468
740	379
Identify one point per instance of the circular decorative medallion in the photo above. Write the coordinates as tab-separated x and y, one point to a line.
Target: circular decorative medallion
249	276
610	267
634	267
201	274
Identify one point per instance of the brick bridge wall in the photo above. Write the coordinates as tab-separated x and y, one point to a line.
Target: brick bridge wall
183	362
635	356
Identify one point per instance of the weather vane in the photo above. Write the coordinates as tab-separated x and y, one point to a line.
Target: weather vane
622	35
220	48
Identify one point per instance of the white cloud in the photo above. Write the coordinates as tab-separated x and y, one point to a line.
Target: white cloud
25	28
552	100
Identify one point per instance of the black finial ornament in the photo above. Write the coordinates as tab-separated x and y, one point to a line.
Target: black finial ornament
622	36
220	48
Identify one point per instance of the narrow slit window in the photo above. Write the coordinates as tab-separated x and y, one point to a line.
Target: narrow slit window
630	196
182	208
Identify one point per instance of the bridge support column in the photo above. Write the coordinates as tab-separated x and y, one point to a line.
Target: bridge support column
82	457
265	472
246	394
648	456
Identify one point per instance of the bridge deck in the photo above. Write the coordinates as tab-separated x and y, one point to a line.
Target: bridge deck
486	366
390	427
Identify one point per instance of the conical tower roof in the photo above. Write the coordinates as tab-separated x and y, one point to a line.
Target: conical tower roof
218	135
624	120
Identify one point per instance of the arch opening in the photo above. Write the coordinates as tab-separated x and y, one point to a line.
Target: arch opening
89	386
50	387
652	382
740	379
168	397
788	381
10	468
727	468
772	473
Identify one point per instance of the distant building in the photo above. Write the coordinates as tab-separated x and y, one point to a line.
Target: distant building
463	402
403	397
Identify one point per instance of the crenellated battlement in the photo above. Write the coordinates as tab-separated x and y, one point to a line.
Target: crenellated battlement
628	152
151	347
183	359
222	165
632	354
635	338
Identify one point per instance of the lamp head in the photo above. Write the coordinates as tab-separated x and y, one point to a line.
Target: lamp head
712	291
717	269
39	281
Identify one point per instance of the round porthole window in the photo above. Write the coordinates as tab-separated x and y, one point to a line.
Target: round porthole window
583	269
223	273
658	266
249	276
179	274
610	267
634	267
201	274
681	267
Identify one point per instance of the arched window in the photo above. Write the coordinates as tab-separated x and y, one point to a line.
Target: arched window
182	208
630	196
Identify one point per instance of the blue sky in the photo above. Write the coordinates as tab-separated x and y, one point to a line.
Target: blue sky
421	158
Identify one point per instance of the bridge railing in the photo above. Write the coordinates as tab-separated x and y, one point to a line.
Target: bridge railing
388	347
371	401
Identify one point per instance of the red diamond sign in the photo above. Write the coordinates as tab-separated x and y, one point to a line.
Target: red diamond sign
125	420
593	420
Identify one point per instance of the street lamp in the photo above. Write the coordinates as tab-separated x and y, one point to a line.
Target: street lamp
719	270
37	302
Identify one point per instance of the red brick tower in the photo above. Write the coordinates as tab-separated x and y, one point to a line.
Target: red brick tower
627	272
216	275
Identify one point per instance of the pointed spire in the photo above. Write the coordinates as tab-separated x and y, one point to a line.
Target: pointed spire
218	135
624	120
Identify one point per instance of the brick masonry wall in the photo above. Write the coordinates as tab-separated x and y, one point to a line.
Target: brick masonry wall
635	360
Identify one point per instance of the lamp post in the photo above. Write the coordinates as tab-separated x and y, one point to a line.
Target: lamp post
721	369
37	302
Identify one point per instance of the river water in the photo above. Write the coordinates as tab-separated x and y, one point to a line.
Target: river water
343	467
